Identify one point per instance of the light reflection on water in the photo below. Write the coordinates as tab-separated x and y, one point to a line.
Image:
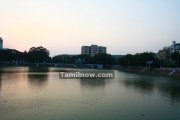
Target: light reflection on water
38	93
167	87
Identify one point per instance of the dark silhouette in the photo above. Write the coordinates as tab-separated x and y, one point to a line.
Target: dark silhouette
139	59
62	59
103	58
9	55
87	58
176	58
38	54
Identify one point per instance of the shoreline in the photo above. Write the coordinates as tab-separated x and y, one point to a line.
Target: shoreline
171	72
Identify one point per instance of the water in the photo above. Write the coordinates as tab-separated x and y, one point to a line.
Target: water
39	94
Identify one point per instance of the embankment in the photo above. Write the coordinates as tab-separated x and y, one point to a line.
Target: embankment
175	72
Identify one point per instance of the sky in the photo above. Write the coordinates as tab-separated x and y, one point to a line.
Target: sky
63	26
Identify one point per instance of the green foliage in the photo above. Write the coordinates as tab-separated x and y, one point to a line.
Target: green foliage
62	59
38	54
126	60
176	58
11	55
103	58
172	61
139	59
87	59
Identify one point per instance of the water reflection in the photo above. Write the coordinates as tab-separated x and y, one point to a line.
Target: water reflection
38	77
11	77
91	83
167	87
141	85
0	81
38	69
170	90
13	70
39	92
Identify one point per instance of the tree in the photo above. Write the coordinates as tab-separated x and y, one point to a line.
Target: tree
62	59
127	60
139	59
176	58
38	54
87	58
11	55
103	58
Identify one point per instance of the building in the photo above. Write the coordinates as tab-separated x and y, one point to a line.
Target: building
92	50
102	49
175	47
1	43
166	52
85	50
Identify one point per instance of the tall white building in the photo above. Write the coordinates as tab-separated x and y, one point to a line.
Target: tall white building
92	50
1	43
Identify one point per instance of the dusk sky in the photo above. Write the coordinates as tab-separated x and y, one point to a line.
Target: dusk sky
63	26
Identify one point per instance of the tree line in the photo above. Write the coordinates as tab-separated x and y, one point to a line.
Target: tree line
41	54
35	54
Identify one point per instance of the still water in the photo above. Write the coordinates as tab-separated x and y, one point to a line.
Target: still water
39	94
